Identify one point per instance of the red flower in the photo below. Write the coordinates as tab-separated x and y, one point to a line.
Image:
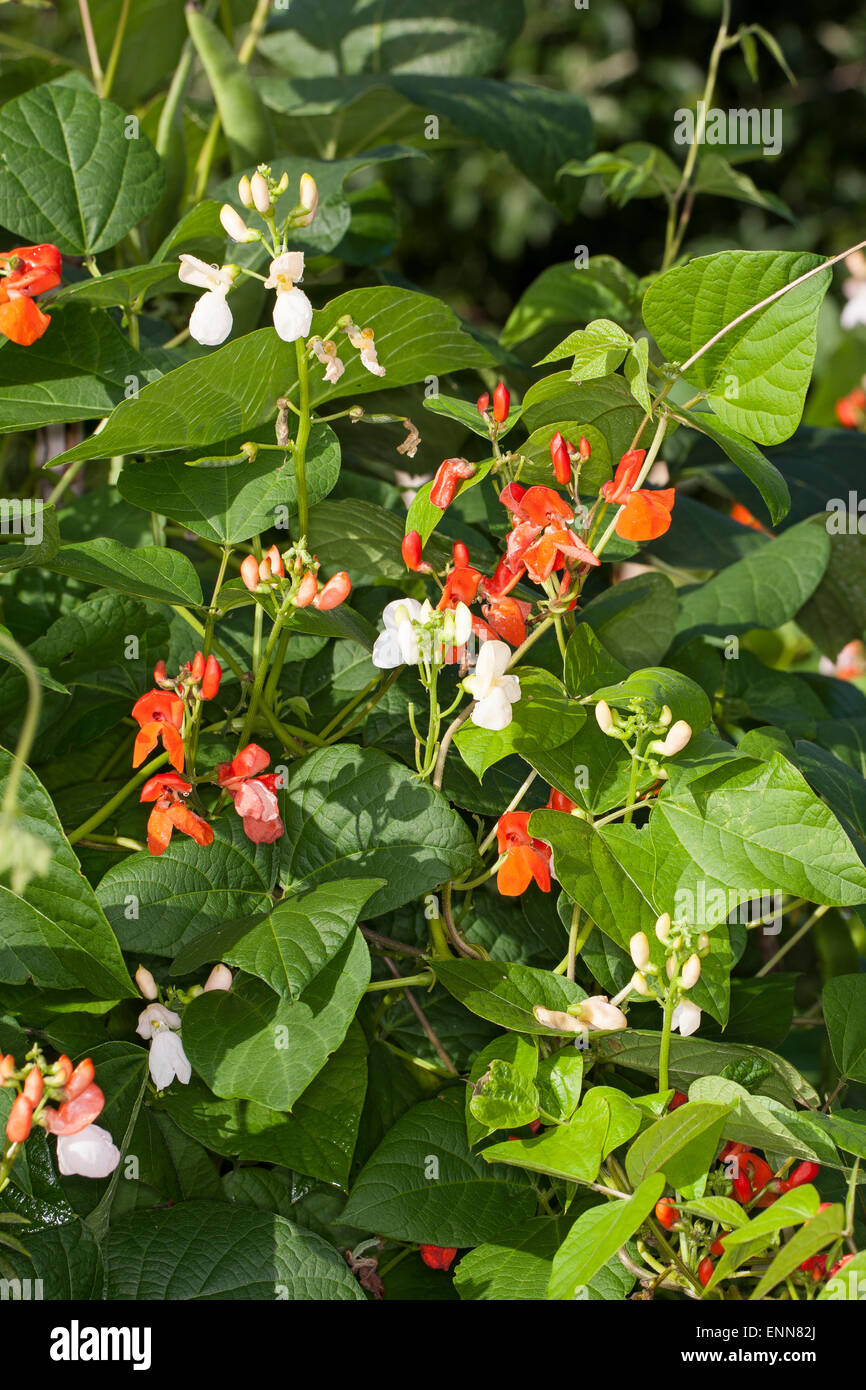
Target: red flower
461	586
169	813
333	593
558	801
507	617
410	549
210	682
32	270
160	716
449	473
525	859
75	1115
851	409
438	1256
561	459
254	796
501	403
646	514
540	540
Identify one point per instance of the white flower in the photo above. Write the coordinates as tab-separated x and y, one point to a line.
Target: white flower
167	1058
494	691
285	271
462	618
219	978
686	1018
398	644
91	1153
293	315
211	320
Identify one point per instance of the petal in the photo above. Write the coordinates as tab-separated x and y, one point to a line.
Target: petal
190	824
210	322
515	874
159	828
145	741
90	1154
173	745
386	651
293	315
646	516
263	832
22	321
493	712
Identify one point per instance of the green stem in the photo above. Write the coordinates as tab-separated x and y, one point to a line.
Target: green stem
426	977
29	724
94	821
90	41
258	683
299	453
206	651
792	941
665	1047
114	56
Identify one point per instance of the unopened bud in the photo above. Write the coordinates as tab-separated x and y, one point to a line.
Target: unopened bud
261	194
250	572
585	448
691	972
663	926
308	198
245	192
670	967
146	983
219	978
556	1018
639	949
703	944
233	224
666	716
676	738
604	716
639	984
7	1067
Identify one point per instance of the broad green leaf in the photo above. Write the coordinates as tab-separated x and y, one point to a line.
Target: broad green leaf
79	370
747	457
120	287
40	541
507	994
543	721
571	1151
790	1209
767	357
588	665
762	1122
723	1210
694	1057
824	1228
845	1016
249	1044
597	349
289	948
317	1138
682	1145
226	394
636	619
520	1053
55	932
73	171
715	175
661	686
606	403
335	827
228	505
514	1267
558	1080
504	1097
572	293
597	1235
219	1251
64	1258
424	1184
848	1285
764	589
151	572
159	905
466	413
746	832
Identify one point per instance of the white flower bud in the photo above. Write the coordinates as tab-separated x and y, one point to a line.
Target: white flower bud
261	195
233	224
308	198
598	1012
663	926
691	972
219	978
639	949
146	983
245	192
703	944
666	716
639	984
556	1018
670	967
604	716
676	738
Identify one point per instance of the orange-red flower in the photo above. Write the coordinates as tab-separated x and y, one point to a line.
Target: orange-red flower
558	801
507	617
75	1115
26	271
540	540
525	859
438	1256
461	586
159	714
166	790
254	795
851	409
646	513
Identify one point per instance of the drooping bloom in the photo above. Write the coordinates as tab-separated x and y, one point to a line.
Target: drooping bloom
77	1113
593	1014
449	474
92	1153
493	690
558	801
326	352
159	715
397	644
26	271
211	320
166	1059
293	312
363	339
507	617
525	858
167	790
686	1018
254	793
540	541
646	513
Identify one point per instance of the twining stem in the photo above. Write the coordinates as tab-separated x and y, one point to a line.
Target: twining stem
665	1048
114	56
206	651
573	936
258	683
299	453
792	941
422	1018
29	725
425	977
90	41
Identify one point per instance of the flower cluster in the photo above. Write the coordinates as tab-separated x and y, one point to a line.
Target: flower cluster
292	579
25	272
64	1100
684	950
160	1025
522	858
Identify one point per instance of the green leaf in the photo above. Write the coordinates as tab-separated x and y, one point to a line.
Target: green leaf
544	720
80	370
424	1184
682	1145
848	1284
159	905
249	1044
520	1053
55	931
504	1097
226	394
765	589
606	403
765	1123
845	1016
289	948
317	1138
151	572
335	828
465	413
558	1080
747	457
636	619
751	831
824	1228
571	293
228	505
635	373
588	664
715	175
219	1251
597	1235
661	686
571	1151
597	349
756	376
72	173
507	994
790	1209
514	1267
694	1057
